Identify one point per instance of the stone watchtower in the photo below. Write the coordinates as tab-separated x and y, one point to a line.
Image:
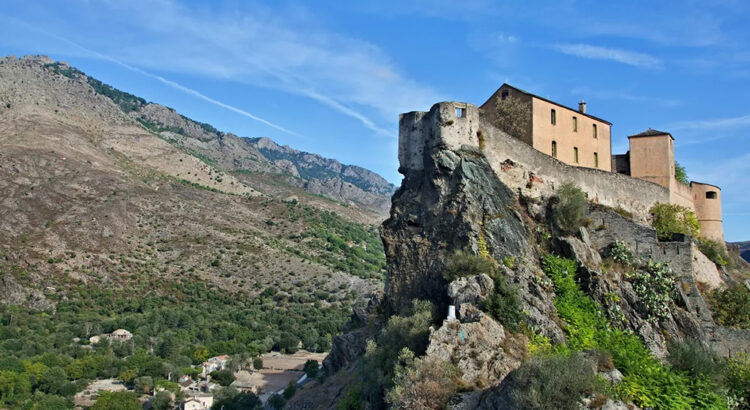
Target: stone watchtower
651	157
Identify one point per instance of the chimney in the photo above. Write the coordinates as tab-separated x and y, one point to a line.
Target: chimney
582	107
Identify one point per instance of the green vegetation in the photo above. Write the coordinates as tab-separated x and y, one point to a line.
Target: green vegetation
503	304
126	101
321	169
64	70
231	399
680	173
671	219
290	390
552	382
714	250
183	322
410	331
731	306
570	209
338	243
647	382
655	286
620	253
422	383
311	368
117	401
463	264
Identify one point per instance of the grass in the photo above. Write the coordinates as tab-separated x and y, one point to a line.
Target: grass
647	382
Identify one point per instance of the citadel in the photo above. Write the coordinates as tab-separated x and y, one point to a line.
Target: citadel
559	144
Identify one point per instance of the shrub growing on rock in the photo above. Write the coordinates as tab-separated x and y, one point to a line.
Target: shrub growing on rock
655	286
552	382
671	219
422	383
570	209
461	264
714	250
731	306
410	331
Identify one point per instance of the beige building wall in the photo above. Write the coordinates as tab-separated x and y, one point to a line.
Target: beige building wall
594	151
707	200
681	194
652	159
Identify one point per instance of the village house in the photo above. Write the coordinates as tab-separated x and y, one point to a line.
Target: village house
121	335
215	364
579	139
198	401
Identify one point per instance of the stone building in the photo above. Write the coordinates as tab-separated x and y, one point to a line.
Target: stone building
572	136
651	158
562	145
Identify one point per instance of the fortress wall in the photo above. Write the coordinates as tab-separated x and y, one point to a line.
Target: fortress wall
442	126
543	174
520	166
681	194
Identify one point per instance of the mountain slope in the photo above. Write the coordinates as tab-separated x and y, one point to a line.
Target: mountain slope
93	198
251	159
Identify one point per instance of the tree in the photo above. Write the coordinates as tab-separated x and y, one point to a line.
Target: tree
223	377
200	354
144	384
311	368
238	401
277	402
570	209
513	116
291	390
671	219
680	173
257	363
121	400
162	401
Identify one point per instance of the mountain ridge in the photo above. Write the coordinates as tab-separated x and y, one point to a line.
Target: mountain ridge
242	156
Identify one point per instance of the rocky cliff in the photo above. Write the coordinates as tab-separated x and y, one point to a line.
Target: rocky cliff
624	282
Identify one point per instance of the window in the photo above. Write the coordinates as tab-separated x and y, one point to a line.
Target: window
575	124
504	95
596	133
554	149
575	154
711	195
460	112
596	160
553	117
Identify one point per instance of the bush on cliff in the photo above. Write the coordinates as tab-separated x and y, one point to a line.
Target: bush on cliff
463	264
410	331
570	208
671	219
426	383
503	304
731	306
714	250
552	382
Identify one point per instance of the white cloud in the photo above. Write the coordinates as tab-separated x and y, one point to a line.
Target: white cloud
714	123
632	58
280	49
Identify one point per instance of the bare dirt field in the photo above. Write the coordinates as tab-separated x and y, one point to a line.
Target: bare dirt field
279	370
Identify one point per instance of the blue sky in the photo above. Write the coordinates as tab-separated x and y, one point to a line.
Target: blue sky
331	77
